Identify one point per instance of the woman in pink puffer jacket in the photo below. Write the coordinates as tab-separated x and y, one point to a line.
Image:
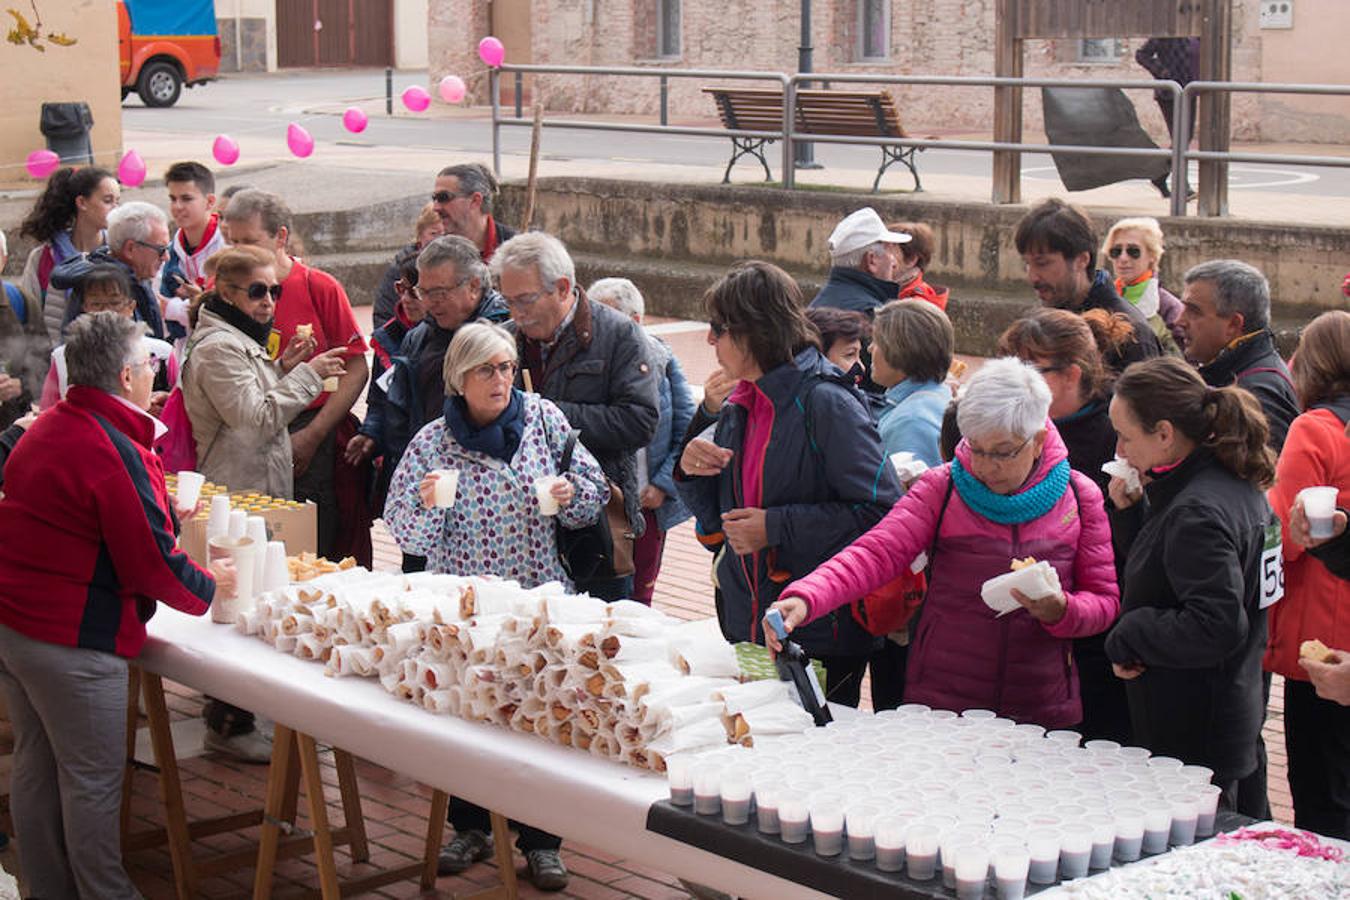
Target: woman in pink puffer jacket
1008	494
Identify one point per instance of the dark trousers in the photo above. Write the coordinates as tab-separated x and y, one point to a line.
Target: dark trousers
1252	797
888	675
1106	711
1317	738
464	816
843	678
647	551
414	563
607	589
317	484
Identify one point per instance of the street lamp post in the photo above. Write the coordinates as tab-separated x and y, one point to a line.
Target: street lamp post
804	155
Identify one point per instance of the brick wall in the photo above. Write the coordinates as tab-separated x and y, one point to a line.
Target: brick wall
934	37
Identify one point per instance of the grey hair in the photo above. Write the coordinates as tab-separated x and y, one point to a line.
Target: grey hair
473	178
453	250
131	222
535	249
272	212
853	259
99	346
626	296
473	344
1006	394
1238	288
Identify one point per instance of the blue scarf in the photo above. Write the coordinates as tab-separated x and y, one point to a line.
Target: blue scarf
499	439
1012	509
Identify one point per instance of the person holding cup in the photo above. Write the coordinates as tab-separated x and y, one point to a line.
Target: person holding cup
501	448
239	399
1313	475
86	552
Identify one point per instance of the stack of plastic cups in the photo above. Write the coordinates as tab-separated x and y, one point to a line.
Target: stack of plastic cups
1043	845
889	840
255	527
1129	833
734	791
679	775
860	824
276	575
218	523
827	823
1012	865
238	523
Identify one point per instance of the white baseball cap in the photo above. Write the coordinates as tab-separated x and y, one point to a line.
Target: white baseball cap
860	229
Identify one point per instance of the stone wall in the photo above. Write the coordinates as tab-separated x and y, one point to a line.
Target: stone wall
934	37
253	41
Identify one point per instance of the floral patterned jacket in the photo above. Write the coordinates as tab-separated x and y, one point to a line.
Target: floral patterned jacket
494	526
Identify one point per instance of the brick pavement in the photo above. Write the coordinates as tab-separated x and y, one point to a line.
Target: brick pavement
396	807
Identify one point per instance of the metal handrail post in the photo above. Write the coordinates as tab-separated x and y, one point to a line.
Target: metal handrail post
520	91
789	117
665	100
1181	142
494	85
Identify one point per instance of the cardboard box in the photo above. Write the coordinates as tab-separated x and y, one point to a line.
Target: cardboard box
287	520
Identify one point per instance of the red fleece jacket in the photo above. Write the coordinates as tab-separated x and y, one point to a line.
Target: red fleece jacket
87	532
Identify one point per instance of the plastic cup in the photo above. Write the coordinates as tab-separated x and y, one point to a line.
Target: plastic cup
543	487
734	788
1064	737
860	821
1129	833
708	790
953	838
972	870
447	485
189	489
1319	504
1043	845
1075	851
1012	865
680	777
1185	815
793	820
979	714
1197	774
255	529
1166	763
1103	829
218	523
921	849
1157	825
1102	746
1206	809
827	824
889	838
276	574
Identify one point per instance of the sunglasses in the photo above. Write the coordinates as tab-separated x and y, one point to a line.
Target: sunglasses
160	249
1133	251
259	290
446	196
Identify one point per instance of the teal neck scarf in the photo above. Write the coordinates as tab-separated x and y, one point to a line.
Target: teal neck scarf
1012	509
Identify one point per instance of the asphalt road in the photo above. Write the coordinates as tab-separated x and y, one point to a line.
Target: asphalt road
257	103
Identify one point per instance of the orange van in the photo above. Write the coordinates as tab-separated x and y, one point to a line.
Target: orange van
164	45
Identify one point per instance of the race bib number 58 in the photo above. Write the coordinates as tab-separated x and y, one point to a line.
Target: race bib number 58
1272	567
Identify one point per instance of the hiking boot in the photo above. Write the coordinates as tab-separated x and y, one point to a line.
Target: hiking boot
465	849
546	869
250	747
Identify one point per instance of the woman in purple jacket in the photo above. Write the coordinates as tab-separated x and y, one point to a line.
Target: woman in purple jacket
1009	493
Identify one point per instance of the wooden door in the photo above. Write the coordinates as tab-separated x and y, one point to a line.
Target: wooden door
335	33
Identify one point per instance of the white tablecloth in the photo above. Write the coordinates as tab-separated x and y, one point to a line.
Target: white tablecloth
565	791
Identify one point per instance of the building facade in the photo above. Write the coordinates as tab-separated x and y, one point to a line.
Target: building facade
266	35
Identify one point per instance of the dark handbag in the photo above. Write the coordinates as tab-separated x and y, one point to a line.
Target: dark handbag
591	552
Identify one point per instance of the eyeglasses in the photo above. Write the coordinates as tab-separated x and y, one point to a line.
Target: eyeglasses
997	456
718	329
432	294
526	299
259	290
488	371
446	196
151	362
1132	250
160	249
106	304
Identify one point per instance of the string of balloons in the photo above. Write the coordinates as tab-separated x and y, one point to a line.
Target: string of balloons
131	170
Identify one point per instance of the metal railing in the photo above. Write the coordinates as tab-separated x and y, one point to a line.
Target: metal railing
1179	154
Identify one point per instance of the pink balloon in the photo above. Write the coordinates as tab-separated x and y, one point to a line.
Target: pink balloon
491	51
300	142
452	89
416	98
42	163
354	120
225	150
131	170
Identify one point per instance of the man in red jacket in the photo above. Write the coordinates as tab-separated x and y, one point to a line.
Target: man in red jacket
87	547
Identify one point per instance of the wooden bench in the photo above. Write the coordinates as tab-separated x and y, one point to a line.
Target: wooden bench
822	112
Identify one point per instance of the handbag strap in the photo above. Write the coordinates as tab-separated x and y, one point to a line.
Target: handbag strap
569	447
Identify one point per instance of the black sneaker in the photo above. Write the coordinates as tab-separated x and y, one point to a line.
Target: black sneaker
546	869
464	850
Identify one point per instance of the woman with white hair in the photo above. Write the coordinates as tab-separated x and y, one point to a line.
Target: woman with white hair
1135	248
499	440
1008	494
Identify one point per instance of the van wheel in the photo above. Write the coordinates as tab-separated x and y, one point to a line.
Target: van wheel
159	84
